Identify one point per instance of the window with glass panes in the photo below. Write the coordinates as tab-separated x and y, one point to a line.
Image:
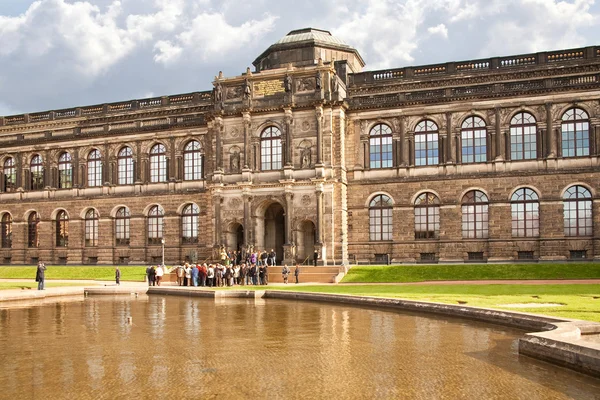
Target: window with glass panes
426	143
125	166
575	130
192	161
189	224
380	146
155	225
10	175
62	229
473	136
36	169
32	230
577	209
122	219
6	231
427	216
65	171
525	212
91	228
475	215
523	137
380	218
158	163
270	149
94	165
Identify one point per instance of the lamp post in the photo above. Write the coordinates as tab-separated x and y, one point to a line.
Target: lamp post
162	241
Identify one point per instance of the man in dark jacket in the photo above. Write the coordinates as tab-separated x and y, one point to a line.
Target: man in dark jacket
40	275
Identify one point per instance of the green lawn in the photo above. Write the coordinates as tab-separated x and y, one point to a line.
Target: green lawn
32	284
75	272
458	272
578	301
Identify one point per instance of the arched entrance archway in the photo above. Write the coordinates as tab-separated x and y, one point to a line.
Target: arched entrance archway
271	230
305	236
235	237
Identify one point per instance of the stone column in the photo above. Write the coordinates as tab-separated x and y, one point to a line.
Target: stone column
172	161
138	163
450	156
289	253
19	169
596	151
217	206
550	133
319	193
288	136
500	139
319	117
247	149
247	218
402	161
358	153
218	130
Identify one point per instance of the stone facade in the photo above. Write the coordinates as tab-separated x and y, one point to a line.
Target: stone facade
292	156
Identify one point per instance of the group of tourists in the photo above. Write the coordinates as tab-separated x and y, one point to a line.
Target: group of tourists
249	257
219	275
154	274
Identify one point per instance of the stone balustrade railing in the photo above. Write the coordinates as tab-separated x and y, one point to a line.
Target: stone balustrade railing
490	64
107	109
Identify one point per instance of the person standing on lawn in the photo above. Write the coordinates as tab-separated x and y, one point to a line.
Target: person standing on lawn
297	273
118	276
40	275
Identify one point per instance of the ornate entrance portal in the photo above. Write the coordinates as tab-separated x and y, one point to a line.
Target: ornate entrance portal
305	237
271	230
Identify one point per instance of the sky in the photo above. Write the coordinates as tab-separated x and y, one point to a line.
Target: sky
64	53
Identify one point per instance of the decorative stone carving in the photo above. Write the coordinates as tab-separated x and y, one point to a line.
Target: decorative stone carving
305	126
234	132
318	81
234	161
247	89
306	155
287	83
218	93
306	200
235	203
234	93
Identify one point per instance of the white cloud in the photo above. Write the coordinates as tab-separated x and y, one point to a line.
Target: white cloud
439	30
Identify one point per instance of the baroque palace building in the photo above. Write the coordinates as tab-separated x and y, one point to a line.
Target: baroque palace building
491	159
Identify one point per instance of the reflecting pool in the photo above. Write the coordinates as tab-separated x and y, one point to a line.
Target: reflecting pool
178	347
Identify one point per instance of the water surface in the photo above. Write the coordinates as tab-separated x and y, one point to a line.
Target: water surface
180	347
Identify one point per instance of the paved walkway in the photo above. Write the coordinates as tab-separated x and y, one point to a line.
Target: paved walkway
490	282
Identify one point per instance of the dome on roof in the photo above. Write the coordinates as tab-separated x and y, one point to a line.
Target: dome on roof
312	35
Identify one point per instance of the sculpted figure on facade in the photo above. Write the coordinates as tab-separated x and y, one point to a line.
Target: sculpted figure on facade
318	80
234	161
306	157
287	83
247	89
218	93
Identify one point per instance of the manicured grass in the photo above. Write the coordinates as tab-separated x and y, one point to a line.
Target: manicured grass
33	285
459	272
75	272
577	301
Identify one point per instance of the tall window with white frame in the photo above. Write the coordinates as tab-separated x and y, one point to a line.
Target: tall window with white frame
10	175
189	224
192	161
125	166
32	230
94	166
577	208
427	216
380	147
575	130
65	171
122	219
525	211
473	135
62	229
91	228
6	231
426	143
270	149
158	163
37	172
523	137
475	215
380	218
155	225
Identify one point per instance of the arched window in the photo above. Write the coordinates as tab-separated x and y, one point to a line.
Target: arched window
192	161
158	163
65	171
270	149
426	143
155	225
473	136
380	146
523	137
122	226
6	231
37	172
577	204
475	215
189	224
380	218
94	165
125	166
575	133
62	229
32	230
525	211
10	175
91	228
427	216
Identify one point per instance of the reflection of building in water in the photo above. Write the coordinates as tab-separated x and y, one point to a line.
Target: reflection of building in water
490	159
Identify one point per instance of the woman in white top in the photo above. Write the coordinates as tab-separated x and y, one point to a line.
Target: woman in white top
159	274
188	275
210	275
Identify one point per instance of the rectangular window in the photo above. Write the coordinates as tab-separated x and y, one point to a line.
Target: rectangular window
475	256
92	260
525	255
578	254
34	260
382	259
426	149
62	260
7	260
428	257
125	171
123	260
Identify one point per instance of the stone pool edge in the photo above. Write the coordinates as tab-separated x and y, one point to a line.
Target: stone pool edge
554	340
